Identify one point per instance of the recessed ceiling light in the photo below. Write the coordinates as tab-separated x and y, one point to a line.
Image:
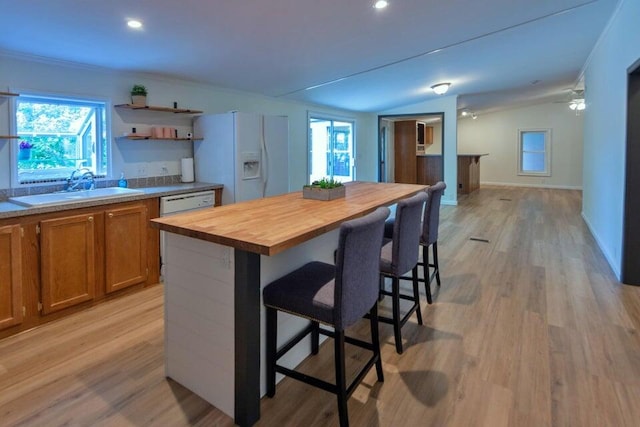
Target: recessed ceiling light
134	23
381	4
441	88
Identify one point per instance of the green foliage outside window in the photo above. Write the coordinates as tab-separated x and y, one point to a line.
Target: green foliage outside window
64	134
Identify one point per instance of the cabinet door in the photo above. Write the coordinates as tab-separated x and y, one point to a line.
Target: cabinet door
405	152
10	277
125	247
67	261
428	135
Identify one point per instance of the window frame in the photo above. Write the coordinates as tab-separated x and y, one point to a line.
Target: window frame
67	98
547	152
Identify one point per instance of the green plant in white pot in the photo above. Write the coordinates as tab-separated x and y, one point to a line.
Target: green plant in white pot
139	95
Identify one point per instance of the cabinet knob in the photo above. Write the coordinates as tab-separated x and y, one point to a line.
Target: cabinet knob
90	219
110	214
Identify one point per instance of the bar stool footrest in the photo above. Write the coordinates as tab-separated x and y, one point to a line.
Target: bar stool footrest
316	382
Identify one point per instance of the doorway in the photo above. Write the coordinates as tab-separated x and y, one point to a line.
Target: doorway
411	148
331	149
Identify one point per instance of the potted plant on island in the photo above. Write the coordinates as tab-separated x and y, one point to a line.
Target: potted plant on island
324	189
25	150
139	95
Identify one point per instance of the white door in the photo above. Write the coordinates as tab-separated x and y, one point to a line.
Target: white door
331	149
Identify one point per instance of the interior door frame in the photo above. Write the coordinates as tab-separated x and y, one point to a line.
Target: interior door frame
408	116
630	269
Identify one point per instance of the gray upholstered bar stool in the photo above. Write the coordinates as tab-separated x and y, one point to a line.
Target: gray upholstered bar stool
334	295
399	256
428	237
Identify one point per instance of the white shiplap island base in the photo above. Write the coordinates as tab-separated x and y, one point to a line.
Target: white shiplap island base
217	262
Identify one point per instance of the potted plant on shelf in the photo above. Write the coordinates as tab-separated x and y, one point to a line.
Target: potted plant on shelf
324	189
25	150
139	95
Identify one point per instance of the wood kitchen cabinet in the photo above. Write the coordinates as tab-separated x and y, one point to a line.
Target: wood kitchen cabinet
59	263
125	247
409	137
10	276
404	143
429	169
67	261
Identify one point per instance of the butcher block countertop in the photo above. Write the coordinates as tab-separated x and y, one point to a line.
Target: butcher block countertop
271	225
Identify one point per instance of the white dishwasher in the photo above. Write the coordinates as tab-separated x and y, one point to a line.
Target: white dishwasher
170	205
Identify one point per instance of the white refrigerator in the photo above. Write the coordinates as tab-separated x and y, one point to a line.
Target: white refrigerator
247	153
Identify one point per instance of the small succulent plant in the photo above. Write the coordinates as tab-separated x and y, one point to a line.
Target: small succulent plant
326	183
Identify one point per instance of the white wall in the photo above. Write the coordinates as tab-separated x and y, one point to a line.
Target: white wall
605	129
497	134
446	105
18	73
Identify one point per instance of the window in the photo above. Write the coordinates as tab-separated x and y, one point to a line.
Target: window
57	136
331	149
533	152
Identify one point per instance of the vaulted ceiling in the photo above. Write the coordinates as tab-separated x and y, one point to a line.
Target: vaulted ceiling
344	54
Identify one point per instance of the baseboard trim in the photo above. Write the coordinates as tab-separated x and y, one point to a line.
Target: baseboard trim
605	252
513	184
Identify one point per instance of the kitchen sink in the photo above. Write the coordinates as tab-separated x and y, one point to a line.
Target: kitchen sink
65	197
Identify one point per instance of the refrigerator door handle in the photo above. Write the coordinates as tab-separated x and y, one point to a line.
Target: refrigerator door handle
265	163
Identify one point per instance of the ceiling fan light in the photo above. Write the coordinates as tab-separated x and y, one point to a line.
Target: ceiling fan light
464	113
441	88
573	106
580	106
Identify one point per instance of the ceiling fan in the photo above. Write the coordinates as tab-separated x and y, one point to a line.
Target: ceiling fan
575	100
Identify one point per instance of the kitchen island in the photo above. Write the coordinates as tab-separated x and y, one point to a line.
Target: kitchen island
469	172
217	262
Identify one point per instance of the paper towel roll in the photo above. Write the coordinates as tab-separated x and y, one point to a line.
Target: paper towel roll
187	169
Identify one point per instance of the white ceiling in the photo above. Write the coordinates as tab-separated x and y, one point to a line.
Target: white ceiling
337	53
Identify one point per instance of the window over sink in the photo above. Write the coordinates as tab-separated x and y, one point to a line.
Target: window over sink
58	135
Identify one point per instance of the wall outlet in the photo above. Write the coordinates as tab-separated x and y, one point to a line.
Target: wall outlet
164	170
142	170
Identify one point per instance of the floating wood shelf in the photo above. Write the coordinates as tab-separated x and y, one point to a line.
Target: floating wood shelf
161	109
9	137
137	138
9	94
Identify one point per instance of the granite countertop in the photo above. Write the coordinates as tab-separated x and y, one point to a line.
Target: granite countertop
12	210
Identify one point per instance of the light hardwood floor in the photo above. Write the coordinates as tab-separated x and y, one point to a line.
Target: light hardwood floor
530	329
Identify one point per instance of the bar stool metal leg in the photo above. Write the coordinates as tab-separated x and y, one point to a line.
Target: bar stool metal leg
341	382
416	292
396	314
435	262
375	340
426	274
315	337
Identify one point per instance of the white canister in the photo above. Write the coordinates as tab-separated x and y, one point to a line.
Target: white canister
186	165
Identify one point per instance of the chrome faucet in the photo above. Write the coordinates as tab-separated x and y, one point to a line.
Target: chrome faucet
87	176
